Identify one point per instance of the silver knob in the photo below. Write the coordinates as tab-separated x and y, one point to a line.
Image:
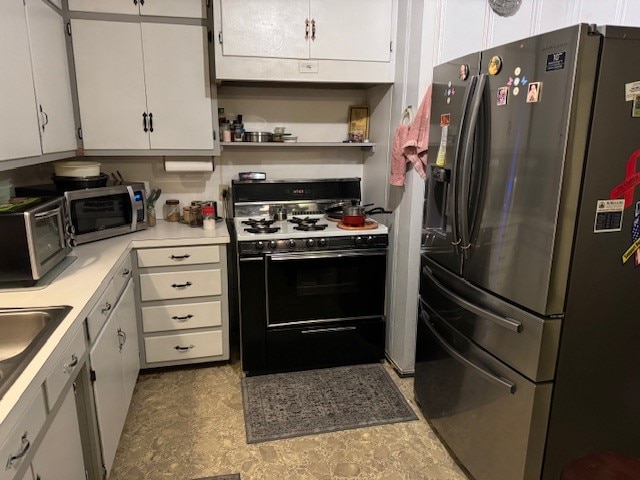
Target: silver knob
292	243
259	245
273	244
310	242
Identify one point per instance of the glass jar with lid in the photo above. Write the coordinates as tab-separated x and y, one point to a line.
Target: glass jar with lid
172	210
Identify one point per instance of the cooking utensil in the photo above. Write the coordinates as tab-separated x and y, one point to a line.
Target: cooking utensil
356	215
76	169
334	211
78	183
280	214
258	137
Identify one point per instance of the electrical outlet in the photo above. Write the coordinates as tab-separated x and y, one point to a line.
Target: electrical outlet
223	192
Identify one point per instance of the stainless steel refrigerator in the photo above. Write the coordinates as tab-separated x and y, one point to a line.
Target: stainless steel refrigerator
528	343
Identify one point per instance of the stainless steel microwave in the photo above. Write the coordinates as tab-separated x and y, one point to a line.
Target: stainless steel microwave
98	213
34	239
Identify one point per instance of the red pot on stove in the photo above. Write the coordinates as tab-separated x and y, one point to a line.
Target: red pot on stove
353	215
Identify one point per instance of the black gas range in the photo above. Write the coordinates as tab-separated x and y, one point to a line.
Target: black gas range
311	294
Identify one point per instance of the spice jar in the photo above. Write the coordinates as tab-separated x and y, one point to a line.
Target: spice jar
186	214
208	218
195	215
151	216
172	210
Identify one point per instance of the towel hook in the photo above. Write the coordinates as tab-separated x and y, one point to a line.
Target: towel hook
407	113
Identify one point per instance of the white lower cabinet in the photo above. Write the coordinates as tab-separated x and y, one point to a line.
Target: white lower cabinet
115	364
183	304
59	456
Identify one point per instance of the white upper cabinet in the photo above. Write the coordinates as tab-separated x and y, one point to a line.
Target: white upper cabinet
255	28
18	120
305	40
51	77
357	30
163	8
143	86
110	77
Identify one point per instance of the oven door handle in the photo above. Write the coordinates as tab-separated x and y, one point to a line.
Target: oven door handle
316	255
134	212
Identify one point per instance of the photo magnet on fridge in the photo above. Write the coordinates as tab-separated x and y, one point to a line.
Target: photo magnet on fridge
534	92
502	96
635	111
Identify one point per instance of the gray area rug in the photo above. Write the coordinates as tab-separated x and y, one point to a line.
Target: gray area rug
285	405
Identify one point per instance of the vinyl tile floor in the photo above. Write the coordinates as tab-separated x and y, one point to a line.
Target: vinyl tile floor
188	423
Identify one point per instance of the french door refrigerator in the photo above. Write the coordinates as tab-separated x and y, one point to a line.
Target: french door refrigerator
528	351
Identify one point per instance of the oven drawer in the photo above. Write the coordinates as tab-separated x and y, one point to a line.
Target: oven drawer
339	343
191	283
190	255
492	418
524	341
181	317
183	346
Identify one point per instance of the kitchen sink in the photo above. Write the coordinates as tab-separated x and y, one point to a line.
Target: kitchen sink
23	331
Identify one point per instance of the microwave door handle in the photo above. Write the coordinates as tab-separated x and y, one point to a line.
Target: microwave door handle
134	213
455	174
508	385
467	151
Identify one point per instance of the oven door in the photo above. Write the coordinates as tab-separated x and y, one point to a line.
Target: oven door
320	287
101	212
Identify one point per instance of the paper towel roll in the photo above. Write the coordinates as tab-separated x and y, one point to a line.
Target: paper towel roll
204	165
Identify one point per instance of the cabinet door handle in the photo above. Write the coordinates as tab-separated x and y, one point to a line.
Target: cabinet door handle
68	368
107	308
182	319
135	2
151	114
45	117
313	29
184	349
144	122
26	444
126	272
180	257
182	285
122	338
306	29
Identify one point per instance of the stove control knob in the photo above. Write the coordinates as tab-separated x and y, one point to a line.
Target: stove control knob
310	242
322	242
369	240
292	243
273	244
259	245
359	241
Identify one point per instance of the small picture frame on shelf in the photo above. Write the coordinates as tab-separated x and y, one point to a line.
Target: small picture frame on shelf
358	123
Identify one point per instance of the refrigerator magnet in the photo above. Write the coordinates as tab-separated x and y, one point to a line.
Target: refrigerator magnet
502	96
445	119
534	92
495	65
608	216
635	110
464	71
516	91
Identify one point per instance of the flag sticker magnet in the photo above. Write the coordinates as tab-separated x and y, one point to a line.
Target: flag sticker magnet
608	216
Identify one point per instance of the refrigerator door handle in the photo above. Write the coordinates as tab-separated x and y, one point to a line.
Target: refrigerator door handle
467	152
505	322
455	174
501	382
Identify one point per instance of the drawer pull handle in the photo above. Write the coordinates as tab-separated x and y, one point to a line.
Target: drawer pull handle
181	285
107	308
126	272
180	257
68	368
23	451
122	338
182	319
184	349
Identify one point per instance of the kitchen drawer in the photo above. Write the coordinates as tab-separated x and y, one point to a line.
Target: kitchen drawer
181	317
101	311
191	283
122	276
163	257
183	346
66	367
21	437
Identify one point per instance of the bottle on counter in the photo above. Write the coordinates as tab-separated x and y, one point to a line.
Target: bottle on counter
151	216
172	210
186	214
208	217
195	214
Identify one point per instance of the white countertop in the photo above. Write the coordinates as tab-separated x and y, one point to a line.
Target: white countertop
80	285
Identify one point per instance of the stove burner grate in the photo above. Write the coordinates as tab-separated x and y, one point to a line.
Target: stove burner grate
307	224
262	229
259	223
